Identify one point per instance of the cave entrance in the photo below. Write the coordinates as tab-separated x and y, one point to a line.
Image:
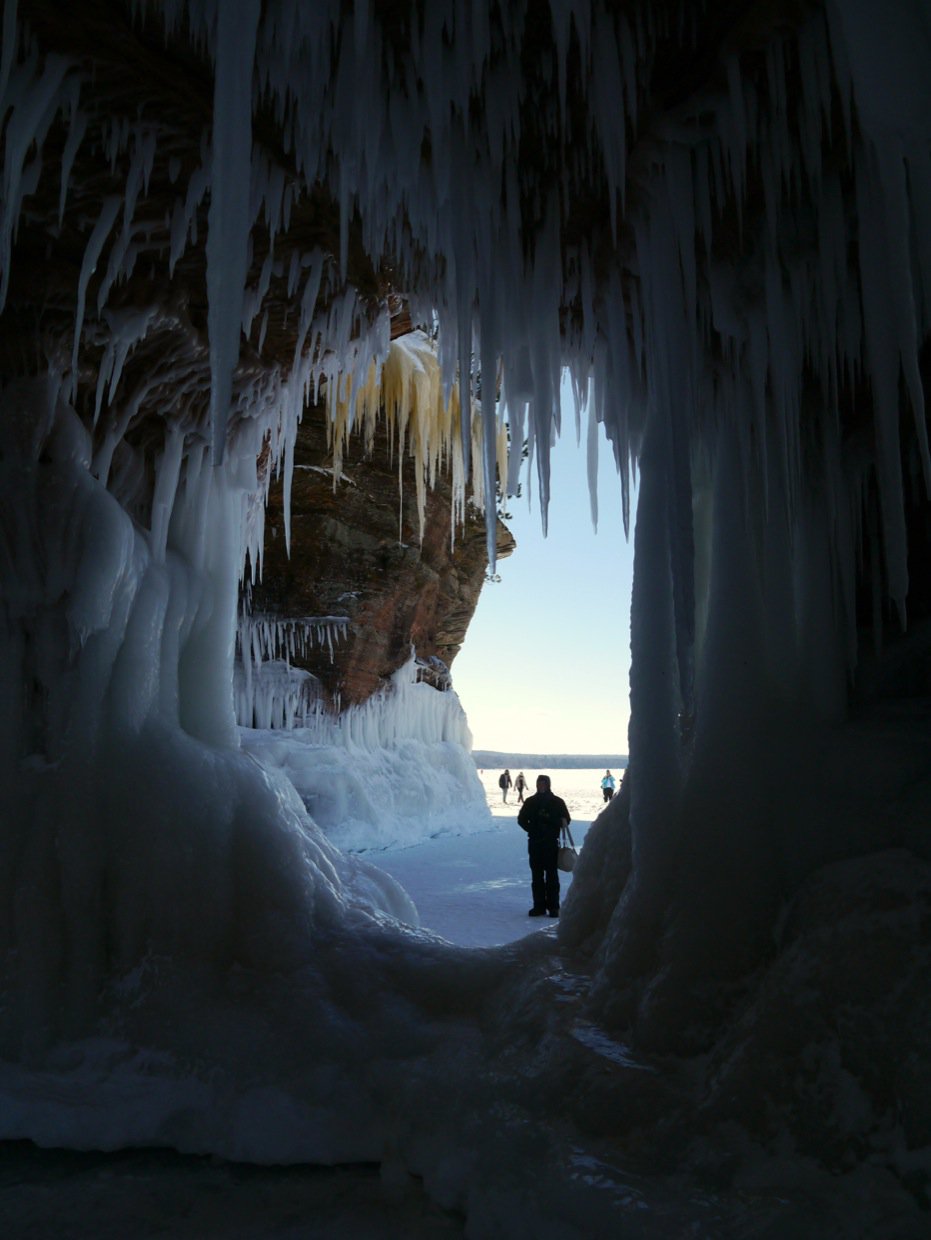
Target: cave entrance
545	665
543	676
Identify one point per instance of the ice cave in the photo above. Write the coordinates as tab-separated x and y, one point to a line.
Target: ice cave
246	246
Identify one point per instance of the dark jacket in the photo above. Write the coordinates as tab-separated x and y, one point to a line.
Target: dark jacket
541	816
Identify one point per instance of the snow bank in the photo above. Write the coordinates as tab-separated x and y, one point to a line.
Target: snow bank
389	773
371	798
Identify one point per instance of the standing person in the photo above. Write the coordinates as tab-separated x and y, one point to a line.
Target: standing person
504	782
542	816
520	784
607	786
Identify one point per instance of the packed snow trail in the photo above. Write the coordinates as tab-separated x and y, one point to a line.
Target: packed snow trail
474	890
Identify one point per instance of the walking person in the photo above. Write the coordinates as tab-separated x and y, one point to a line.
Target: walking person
519	785
607	786
543	816
504	782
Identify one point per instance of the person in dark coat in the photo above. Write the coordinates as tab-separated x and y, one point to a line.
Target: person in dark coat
542	816
504	782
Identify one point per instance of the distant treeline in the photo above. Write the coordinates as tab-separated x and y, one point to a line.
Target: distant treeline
540	761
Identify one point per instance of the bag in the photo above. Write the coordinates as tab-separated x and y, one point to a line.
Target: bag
566	857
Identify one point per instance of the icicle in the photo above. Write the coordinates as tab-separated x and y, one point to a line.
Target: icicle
32	99
228	219
290	436
166	484
255	297
592	467
95	244
899	285
739	120
8	52
882	348
76	132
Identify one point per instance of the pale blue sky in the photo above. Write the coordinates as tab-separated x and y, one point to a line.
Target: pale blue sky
546	660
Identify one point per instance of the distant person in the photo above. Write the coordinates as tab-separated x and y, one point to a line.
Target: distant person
519	785
542	816
607	786
504	782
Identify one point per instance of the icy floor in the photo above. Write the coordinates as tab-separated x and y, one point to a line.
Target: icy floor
474	890
143	1194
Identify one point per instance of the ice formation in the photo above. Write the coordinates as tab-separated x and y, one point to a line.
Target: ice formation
269	691
736	267
422	415
392	771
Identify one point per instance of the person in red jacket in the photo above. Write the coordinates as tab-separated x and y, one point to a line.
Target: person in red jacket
542	816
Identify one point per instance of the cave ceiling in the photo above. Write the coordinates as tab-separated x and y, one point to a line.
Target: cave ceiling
134	84
132	75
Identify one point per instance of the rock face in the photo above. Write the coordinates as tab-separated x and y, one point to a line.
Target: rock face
355	552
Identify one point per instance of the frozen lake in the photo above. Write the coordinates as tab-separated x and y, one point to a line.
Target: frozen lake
475	889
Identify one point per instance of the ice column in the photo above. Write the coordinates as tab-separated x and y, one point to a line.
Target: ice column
230	216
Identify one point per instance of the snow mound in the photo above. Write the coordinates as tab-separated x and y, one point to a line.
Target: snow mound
390	797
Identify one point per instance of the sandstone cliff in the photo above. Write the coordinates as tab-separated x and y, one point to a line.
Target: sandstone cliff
355	552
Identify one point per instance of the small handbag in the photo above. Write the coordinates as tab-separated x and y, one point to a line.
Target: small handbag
566	857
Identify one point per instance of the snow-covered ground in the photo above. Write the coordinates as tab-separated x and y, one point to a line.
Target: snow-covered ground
144	1194
475	889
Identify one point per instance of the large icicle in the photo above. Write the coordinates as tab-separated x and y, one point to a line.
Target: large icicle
229	219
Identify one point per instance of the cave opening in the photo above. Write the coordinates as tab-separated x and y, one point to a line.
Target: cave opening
220	219
545	665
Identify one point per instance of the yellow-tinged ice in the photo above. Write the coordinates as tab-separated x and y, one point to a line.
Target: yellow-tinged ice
406	389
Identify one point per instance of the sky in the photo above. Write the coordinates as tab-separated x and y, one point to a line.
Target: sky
546	660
